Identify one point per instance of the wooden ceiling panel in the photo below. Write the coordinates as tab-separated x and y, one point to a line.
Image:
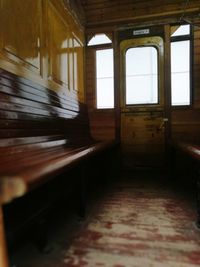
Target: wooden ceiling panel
101	12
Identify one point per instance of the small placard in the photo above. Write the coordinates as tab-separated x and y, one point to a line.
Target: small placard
140	32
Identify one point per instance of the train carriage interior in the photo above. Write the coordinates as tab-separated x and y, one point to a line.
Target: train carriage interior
99	133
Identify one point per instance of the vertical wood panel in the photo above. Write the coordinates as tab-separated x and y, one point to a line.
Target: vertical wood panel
58	47
167	82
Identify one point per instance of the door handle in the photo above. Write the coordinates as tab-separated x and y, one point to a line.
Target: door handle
162	124
165	119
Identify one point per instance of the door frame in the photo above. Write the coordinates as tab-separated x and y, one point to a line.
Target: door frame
163	103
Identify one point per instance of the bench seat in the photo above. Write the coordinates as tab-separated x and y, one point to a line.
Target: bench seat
190	149
192	152
43	133
36	160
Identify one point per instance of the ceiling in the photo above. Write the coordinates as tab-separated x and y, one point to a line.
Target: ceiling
118	12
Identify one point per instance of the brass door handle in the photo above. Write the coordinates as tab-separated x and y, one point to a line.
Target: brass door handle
162	125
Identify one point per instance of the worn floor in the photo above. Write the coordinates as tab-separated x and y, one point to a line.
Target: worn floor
138	222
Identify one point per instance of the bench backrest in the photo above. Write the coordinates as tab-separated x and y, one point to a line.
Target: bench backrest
30	113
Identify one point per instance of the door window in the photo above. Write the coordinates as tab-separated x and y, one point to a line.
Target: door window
142	75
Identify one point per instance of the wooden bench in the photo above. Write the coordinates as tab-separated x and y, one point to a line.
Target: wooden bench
42	135
192	152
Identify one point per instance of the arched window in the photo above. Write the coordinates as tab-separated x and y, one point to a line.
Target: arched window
99	39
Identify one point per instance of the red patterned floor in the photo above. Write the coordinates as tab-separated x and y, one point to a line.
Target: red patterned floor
136	224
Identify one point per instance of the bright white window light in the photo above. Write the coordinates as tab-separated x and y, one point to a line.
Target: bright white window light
104	79
182	30
180	73
142	75
99	39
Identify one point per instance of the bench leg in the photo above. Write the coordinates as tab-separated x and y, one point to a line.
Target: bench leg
116	163
198	197
172	163
40	236
3	249
82	207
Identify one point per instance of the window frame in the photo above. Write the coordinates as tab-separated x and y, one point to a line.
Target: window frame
186	37
158	42
158	80
94	48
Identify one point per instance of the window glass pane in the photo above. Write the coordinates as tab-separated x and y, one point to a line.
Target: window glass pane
104	78
180	92
104	60
142	75
99	39
144	85
182	30
180	69
144	58
105	96
180	56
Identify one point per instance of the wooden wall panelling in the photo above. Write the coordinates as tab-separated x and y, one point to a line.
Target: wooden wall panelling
21	44
185	125
81	71
70	52
38	47
102	125
90	78
77	9
59	36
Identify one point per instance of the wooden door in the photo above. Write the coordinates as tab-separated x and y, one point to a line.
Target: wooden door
143	121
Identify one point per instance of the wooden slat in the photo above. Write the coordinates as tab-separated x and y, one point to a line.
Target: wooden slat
32	160
36	105
49	168
47	99
39	131
28	109
27	85
115	12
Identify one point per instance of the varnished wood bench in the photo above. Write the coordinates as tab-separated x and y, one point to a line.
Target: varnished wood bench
28	162
42	135
191	151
